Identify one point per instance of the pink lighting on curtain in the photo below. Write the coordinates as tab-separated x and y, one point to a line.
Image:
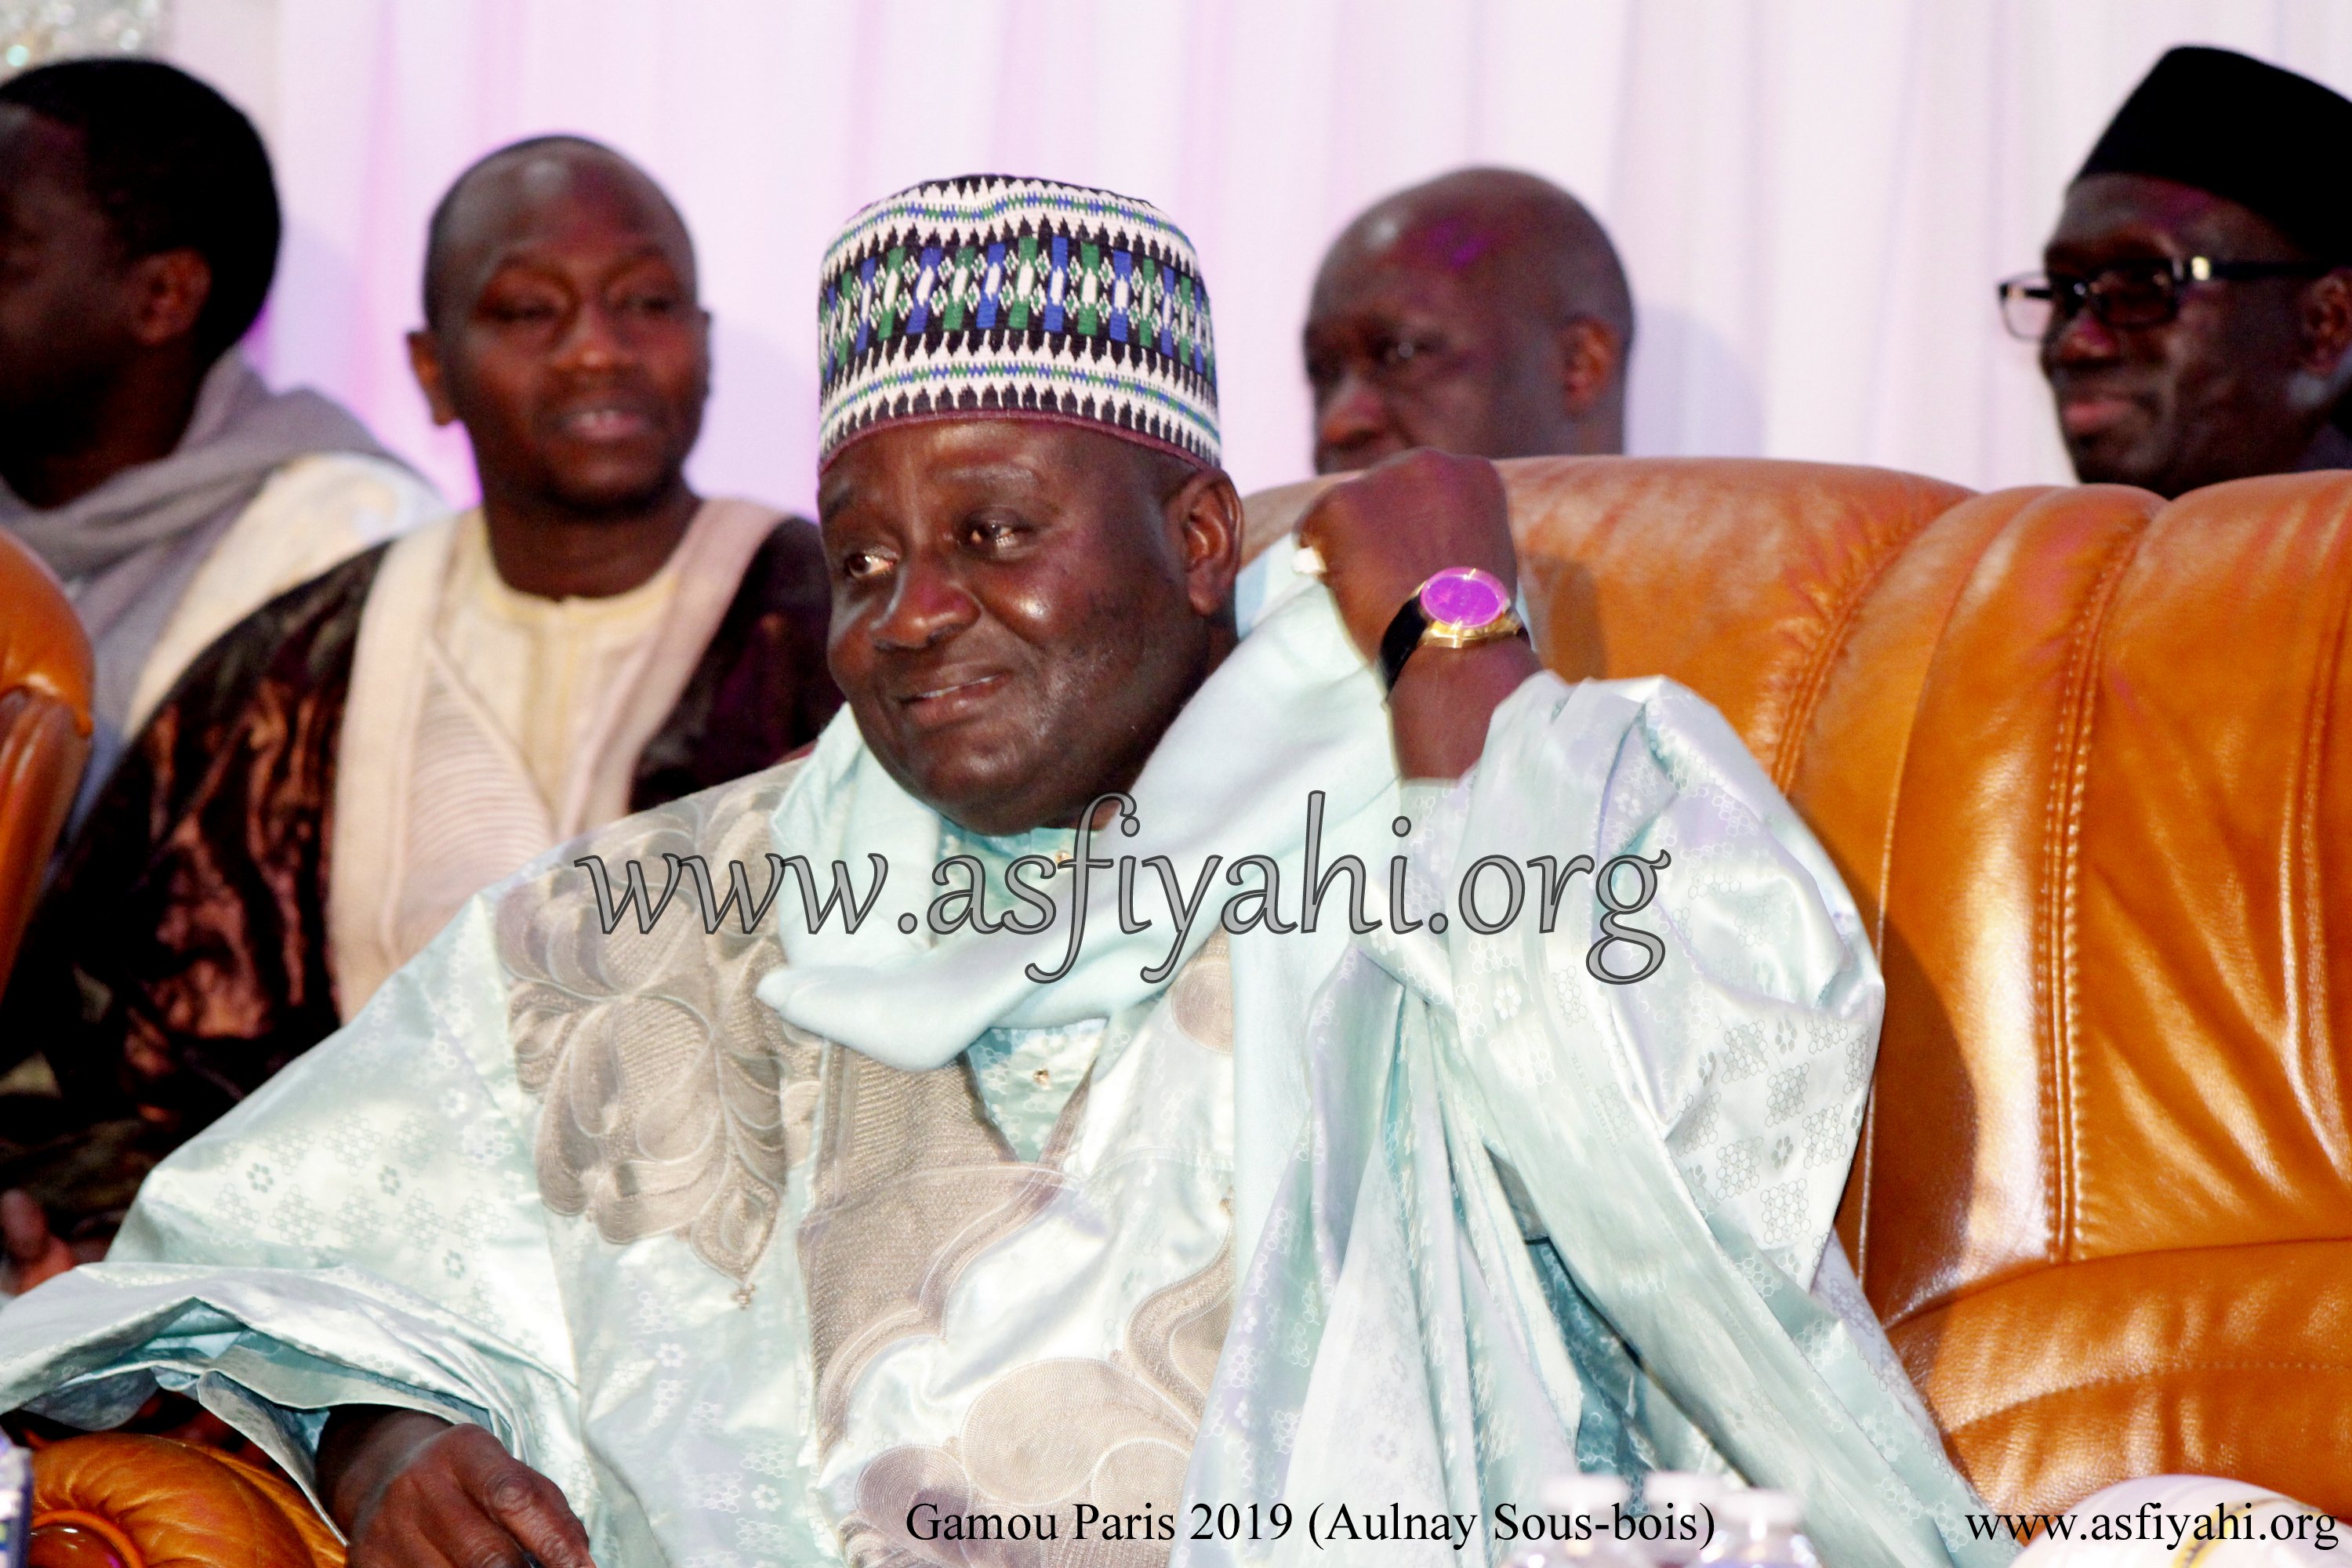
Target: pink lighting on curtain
1814	197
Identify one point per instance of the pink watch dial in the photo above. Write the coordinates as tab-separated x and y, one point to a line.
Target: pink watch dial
1465	596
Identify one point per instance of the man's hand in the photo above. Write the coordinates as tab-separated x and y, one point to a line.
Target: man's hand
412	1491
1388	531
35	1253
1384	535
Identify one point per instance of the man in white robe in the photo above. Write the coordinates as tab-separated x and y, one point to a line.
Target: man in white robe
1051	1197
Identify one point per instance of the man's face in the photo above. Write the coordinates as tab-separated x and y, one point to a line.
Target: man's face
570	345
1414	340
2221	391
1020	609
67	306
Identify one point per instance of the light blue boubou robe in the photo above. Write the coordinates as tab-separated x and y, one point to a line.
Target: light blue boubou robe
762	1242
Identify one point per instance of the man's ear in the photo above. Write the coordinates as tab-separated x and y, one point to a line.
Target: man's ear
2328	328
425	359
1589	358
1206	511
170	288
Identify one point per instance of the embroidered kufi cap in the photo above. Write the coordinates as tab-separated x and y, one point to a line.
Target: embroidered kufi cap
989	296
2250	132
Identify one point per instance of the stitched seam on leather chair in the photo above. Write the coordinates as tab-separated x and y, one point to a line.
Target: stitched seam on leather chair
1814	678
2061	865
2168	1369
1866	1155
2307	906
1957	591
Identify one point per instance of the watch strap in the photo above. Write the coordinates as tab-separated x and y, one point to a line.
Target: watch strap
1413	629
1398	642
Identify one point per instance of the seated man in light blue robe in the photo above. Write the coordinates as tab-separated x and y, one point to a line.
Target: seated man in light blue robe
1127	1069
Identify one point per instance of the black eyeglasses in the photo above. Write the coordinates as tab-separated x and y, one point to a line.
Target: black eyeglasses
2127	294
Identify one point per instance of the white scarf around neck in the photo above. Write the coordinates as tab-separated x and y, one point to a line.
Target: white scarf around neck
1293	710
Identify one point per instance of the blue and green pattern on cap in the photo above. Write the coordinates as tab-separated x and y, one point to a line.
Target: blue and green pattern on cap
989	295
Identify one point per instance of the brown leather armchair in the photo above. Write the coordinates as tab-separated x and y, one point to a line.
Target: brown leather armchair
2105	1196
2085	760
45	675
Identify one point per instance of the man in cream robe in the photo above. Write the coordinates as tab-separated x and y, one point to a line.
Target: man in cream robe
1149	1219
334	778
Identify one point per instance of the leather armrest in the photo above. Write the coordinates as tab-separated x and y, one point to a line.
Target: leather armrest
41	758
115	1500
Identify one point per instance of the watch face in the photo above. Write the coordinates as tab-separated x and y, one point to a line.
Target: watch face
1465	596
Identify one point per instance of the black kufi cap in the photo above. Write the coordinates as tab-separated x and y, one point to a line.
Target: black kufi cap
2267	138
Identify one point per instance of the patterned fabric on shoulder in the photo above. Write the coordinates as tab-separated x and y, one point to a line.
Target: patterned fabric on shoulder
675	1100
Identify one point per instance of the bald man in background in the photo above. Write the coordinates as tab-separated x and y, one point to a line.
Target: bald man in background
349	764
1484	313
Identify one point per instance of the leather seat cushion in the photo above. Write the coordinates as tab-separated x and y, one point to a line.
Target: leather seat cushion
2054	1383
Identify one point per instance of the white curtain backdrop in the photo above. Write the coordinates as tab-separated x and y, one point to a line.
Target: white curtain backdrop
1814	197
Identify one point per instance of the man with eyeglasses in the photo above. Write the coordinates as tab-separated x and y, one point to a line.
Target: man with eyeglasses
2195	311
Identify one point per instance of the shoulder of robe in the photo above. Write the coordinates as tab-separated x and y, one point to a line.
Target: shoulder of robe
274	682
634	1019
303	637
761	688
373	488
